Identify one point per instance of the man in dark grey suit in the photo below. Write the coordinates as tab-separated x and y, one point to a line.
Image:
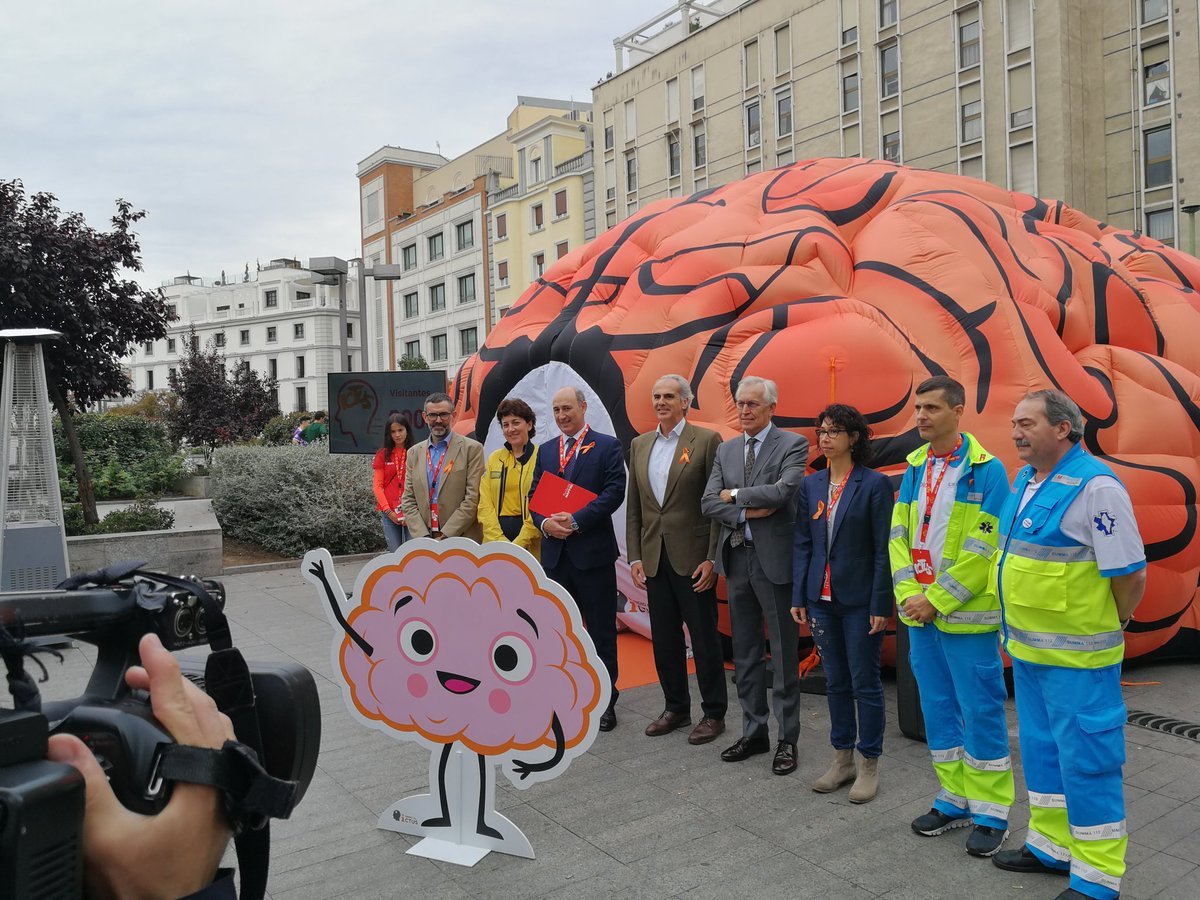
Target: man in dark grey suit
751	492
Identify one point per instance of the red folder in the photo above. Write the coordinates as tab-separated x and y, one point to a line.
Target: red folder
555	495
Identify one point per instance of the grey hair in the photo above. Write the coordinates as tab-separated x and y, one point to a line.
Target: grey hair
770	389
685	389
1061	408
579	397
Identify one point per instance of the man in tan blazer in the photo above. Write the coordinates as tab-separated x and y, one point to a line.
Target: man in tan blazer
452	465
671	549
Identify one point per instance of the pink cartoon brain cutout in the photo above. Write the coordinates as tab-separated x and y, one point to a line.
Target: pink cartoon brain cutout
453	642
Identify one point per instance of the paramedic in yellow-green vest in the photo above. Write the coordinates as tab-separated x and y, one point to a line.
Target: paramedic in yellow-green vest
944	531
1071	569
507	478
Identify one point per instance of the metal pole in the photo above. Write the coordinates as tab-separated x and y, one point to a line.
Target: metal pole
1190	211
363	316
342	303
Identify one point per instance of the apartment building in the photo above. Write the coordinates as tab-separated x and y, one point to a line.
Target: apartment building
276	321
1096	102
432	216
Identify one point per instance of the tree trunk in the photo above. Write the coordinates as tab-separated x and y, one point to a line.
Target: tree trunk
87	495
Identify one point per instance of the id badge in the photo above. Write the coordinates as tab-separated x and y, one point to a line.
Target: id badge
434	524
923	566
826	590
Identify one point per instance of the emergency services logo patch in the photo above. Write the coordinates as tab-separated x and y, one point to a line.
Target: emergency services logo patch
1106	523
987	527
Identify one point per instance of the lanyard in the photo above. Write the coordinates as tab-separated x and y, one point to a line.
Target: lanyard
564	456
932	487
835	495
433	473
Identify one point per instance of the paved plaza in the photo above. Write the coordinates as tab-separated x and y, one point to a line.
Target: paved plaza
639	817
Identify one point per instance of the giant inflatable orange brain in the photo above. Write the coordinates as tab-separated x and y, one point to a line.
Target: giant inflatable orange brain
853	280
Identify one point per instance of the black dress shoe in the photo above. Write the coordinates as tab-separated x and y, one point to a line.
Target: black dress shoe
608	719
785	758
1026	861
746	747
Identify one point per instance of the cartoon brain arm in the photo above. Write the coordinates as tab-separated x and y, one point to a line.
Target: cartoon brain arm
318	570
523	768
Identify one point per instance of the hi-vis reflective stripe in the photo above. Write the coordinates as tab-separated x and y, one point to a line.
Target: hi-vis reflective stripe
983	808
903	575
1094	875
952	799
1077	553
1045	640
1048	801
978	547
1108	832
954	587
954	754
988	765
1039	841
987	617
900	531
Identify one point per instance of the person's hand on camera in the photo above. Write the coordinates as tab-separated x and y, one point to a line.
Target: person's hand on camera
176	852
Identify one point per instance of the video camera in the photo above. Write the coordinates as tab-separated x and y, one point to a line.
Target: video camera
42	802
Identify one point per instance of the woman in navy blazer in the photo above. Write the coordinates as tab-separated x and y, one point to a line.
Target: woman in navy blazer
842	589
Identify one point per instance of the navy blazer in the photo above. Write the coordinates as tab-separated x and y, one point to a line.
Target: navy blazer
599	466
859	571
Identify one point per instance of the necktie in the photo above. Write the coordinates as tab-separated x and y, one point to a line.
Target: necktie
739	535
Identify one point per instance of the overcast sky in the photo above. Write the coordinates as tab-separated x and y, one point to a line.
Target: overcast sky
237	126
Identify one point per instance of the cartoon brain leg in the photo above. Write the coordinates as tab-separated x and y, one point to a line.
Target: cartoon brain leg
474	653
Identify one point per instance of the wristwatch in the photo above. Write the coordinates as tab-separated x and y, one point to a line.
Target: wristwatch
574	525
733	495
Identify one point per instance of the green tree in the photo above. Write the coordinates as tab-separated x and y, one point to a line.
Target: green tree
411	363
58	272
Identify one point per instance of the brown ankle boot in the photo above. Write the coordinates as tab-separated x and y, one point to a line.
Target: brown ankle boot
841	771
866	785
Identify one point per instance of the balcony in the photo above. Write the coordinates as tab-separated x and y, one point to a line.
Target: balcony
574	164
506	194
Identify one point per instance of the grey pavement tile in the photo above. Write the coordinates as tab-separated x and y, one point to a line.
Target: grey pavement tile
782	874
1145	812
1175	776
1150	876
696	862
1166	829
659	833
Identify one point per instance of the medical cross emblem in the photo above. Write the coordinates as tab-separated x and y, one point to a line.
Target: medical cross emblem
987	527
1106	523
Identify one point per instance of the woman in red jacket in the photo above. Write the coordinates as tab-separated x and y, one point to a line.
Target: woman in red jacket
388	480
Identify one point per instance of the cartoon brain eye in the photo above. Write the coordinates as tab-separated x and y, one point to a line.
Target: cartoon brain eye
417	640
512	658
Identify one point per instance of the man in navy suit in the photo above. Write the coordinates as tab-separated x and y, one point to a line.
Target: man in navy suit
580	551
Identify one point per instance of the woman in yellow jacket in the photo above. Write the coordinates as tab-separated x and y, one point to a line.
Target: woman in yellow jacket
504	491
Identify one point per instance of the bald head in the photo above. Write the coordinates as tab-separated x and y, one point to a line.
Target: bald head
570	410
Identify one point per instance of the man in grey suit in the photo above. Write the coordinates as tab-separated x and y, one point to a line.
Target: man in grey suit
751	493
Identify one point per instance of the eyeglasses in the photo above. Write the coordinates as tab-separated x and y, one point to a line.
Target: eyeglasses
829	432
747	404
433	415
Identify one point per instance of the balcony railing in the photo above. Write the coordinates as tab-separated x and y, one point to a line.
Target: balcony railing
506	194
574	164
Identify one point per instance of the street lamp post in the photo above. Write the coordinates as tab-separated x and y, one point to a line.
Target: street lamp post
380	272
1191	211
332	270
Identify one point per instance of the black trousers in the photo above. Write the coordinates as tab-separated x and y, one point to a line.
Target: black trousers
595	593
673	604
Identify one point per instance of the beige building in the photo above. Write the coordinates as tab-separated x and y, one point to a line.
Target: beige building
1096	102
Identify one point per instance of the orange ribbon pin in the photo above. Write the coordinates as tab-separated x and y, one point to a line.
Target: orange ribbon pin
685	457
820	509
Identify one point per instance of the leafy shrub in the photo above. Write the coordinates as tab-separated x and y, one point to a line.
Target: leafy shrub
291	499
141	515
127	455
155	405
278	431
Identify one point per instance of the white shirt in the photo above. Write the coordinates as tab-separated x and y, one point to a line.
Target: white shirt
1101	517
943	504
758	445
662	452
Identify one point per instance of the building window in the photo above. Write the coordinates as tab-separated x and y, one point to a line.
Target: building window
273	368
1156	73
172	312
891	146
437	297
194	341
750	64
1018	21
753	125
630	121
303	295
608	129
299	366
560	204
850	35
888	12
631	171
631	205
698	88
464	234
1153	10
349	329
699	146
468	340
783	49
436	251
1022	168
968	44
610	219
272	334
298	331
539	265
412	307
412	349
535	170
148	348
610	179
270	299
850	92
218	340
673	162
560	249
466	288
501	226
301	398
244	337
170	345
172	374
502	273
889	71
537	217
673	100
149	379
783	113
372	209
409	256
1158	157
972	121
438	347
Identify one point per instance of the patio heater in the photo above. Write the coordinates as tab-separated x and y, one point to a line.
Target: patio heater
33	538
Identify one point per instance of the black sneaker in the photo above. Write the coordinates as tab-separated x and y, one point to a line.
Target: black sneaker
986	841
936	822
1027	862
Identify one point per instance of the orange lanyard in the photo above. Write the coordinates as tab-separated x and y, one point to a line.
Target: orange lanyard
932	487
433	473
836	494
564	456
